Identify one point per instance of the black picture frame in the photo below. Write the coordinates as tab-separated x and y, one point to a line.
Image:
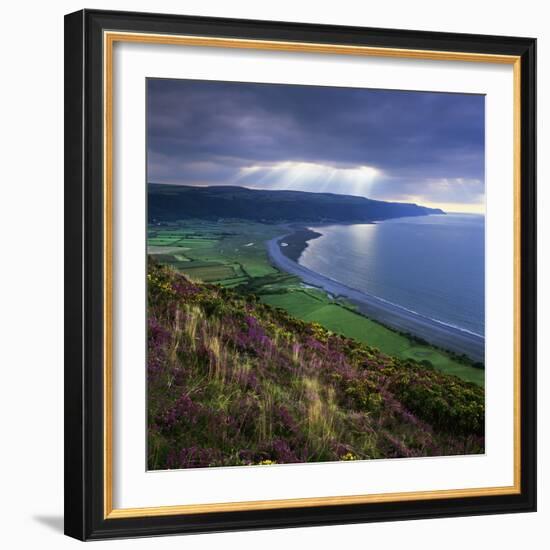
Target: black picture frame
84	280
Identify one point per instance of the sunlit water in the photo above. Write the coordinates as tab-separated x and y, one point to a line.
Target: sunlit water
433	265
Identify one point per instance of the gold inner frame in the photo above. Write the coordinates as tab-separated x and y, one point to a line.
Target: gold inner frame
109	39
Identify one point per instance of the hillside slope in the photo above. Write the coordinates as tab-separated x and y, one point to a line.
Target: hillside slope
233	382
176	202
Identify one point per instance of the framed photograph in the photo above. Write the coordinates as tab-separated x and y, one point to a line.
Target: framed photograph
300	274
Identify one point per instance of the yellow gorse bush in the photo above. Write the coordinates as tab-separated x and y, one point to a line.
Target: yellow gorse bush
162	286
349	456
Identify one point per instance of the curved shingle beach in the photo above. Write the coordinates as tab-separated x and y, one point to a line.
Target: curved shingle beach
391	315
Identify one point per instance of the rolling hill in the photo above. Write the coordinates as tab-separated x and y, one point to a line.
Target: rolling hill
234	382
176	202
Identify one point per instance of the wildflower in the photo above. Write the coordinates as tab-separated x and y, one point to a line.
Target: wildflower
349	456
184	410
282	452
285	420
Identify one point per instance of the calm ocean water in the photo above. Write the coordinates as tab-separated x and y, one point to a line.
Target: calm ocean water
433	265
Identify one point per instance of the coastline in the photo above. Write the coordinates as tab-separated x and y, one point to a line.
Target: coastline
398	318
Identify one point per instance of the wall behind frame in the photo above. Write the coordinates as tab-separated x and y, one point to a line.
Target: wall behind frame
31	277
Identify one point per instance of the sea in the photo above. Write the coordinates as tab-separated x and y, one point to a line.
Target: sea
432	265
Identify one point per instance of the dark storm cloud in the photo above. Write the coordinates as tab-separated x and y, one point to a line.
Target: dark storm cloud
421	144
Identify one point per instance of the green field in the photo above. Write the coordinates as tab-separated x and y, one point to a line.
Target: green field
232	253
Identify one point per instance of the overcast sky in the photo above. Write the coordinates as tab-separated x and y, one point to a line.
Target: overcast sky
418	147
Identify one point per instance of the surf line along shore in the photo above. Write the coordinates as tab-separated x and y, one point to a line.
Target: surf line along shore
391	315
